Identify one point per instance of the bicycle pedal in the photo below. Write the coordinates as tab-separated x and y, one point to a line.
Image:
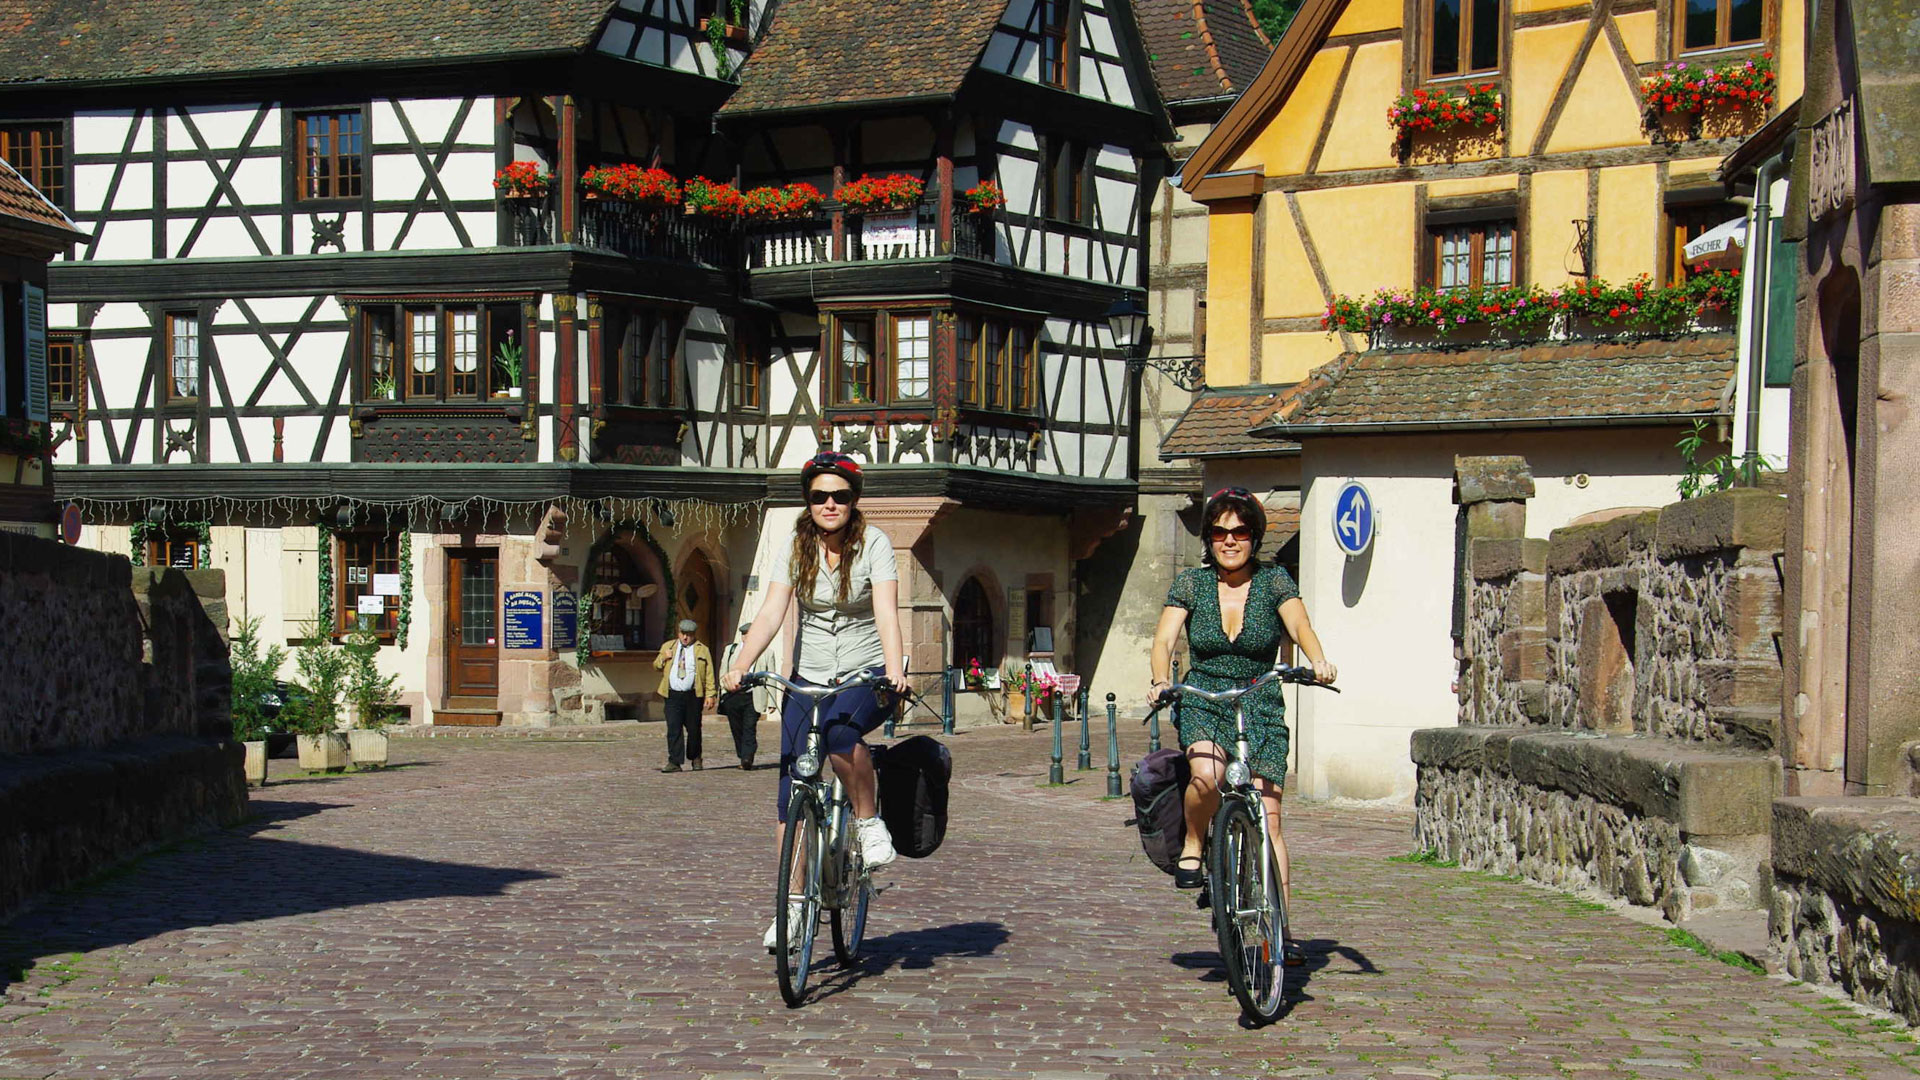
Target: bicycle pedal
1204	901
880	887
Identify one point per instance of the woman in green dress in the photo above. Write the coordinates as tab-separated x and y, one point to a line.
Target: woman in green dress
1234	611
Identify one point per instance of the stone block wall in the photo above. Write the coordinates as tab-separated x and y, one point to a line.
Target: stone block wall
115	727
1619	698
1846	896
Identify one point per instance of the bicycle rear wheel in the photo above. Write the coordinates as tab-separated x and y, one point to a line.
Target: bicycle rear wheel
849	918
796	898
1249	914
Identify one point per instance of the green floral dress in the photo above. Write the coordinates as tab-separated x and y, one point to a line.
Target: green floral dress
1220	663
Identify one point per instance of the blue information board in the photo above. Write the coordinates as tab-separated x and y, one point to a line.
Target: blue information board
566	619
524	611
1353	518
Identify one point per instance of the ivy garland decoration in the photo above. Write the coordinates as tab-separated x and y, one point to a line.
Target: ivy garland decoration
406	590
582	623
137	540
325	560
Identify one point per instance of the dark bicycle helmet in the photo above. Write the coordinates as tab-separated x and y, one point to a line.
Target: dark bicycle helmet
831	461
1241	502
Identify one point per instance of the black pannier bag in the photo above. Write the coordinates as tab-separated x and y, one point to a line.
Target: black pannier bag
913	776
1159	790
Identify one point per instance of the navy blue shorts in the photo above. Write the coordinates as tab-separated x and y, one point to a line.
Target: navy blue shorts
846	718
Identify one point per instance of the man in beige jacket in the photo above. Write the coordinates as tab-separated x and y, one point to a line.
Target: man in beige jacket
688	685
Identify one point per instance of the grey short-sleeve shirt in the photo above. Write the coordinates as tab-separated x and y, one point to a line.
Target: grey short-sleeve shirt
837	638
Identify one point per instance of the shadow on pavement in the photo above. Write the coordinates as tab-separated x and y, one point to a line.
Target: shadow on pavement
1320	953
233	876
910	949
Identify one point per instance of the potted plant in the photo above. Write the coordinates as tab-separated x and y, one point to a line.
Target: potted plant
652	188
254	672
523	180
510	360
1014	678
713	199
315	717
983	198
383	388
370	700
1436	111
976	678
877	194
1684	90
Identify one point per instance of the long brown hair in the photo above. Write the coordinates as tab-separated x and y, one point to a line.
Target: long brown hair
807	534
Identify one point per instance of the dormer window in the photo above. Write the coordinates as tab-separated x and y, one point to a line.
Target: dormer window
1053	41
1463	37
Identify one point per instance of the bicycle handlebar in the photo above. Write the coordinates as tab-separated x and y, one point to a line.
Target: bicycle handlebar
818	693
1301	675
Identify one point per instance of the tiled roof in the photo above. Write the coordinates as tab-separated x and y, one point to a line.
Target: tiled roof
70	40
841	52
1201	48
1595	382
1216	423
22	201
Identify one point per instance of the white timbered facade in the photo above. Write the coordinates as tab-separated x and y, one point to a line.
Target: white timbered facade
319	346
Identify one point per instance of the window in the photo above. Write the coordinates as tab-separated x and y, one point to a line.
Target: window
853	362
39	153
622	618
1473	256
1685	224
183	356
176	548
1053	41
912	354
328	147
1067	182
1463	37
1019	368
749	357
1717	24
438	353
973	627
967	356
362	558
63	370
639	364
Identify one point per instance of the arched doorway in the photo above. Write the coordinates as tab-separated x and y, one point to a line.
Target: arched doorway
698	599
973	627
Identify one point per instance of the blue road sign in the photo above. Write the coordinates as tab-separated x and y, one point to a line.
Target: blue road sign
1353	518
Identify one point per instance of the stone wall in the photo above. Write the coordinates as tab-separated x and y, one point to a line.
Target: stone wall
114	712
1846	896
1619	698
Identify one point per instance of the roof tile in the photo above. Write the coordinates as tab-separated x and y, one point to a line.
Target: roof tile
22	201
1201	48
841	52
1217	422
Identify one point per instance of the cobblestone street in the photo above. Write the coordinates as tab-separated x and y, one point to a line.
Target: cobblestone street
505	907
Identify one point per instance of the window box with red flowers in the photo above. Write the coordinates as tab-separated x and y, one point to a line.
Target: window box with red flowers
713	199
523	180
1422	316
878	194
1685	90
654	188
983	198
1430	111
772	203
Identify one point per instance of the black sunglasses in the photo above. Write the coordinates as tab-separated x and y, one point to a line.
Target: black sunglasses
843	496
1216	533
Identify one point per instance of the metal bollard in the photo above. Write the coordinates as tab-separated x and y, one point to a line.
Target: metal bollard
1086	740
1113	749
946	703
1026	717
1055	775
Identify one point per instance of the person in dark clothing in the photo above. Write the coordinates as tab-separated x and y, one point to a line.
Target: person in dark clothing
742	710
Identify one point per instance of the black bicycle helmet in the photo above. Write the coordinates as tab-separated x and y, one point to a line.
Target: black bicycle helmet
831	461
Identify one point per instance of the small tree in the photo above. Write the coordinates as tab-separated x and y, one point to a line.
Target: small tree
254	673
370	693
323	671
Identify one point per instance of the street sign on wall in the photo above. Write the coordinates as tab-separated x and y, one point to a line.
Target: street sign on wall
1354	522
523	610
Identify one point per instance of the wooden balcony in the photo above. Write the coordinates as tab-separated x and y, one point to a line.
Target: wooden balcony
629	229
907	234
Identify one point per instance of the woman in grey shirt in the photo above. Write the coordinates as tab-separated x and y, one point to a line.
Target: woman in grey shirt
847	586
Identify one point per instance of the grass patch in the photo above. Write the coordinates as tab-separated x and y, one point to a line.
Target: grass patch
1691	942
1425	858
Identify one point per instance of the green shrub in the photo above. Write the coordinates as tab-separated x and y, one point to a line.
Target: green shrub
254	672
323	671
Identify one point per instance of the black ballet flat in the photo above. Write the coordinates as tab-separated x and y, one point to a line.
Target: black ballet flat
1184	878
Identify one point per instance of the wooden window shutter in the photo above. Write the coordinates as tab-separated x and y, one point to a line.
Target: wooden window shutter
36	305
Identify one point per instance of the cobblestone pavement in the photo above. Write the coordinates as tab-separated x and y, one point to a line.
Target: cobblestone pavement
513	908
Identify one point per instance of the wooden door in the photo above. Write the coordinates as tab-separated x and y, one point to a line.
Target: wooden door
697	602
473	628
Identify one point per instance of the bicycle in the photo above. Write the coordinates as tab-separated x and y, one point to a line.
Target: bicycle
817	859
1249	906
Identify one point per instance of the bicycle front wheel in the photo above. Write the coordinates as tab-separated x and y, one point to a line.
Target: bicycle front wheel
849	917
796	898
1249	913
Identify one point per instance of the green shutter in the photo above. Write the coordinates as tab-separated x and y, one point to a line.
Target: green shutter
1783	287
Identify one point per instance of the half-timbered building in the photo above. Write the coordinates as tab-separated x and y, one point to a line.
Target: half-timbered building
517	430
1529	172
32	232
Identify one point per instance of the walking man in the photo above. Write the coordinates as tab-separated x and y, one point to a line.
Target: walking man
688	686
742	708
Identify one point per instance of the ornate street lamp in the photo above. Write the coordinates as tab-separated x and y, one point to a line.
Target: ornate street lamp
1132	334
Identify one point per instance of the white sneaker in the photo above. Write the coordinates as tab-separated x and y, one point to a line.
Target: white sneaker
795	913
876	843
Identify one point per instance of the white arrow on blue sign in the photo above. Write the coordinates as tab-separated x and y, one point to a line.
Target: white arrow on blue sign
1353	518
